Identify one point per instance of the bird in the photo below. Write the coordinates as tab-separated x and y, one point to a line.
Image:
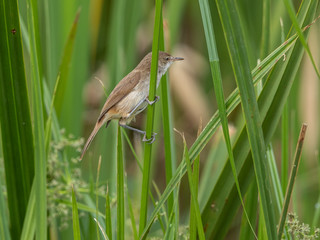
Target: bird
131	96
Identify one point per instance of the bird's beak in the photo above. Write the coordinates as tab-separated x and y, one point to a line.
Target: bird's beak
177	58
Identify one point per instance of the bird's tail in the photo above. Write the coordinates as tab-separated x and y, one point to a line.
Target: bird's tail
98	125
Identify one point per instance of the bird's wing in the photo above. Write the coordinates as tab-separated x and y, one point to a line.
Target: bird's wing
122	89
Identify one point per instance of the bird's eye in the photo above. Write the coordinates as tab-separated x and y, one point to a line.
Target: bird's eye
167	58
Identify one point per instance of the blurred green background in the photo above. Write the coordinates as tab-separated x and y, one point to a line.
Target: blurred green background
111	37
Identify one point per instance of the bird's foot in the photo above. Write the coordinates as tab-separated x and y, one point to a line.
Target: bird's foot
150	140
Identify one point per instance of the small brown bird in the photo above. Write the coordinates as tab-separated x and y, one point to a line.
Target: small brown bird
130	96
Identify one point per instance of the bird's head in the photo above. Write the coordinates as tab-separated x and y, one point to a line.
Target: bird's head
165	60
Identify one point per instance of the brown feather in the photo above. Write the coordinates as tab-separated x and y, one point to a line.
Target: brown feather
115	108
123	88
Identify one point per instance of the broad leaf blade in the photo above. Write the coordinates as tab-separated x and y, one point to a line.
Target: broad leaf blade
16	129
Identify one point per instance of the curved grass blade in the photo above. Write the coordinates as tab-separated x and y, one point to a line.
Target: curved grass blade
231	103
101	229
233	100
16	128
245	172
218	88
150	114
282	79
239	59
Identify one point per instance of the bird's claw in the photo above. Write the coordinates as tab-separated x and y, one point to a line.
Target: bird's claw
156	99
150	140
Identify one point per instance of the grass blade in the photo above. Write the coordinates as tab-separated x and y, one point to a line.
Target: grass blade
275	179
131	213
251	204
39	135
231	24
101	229
170	160
265	38
153	183
284	147
120	188
269	91
48	131
290	9
79	66
88	207
284	136
150	114
29	225
97	196
16	128
218	88
4	223
292	179
231	103
196	171
75	218
65	65
192	186
108	216
285	73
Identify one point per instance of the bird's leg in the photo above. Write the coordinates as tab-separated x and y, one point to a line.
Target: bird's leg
141	102
135	108
149	141
156	99
145	139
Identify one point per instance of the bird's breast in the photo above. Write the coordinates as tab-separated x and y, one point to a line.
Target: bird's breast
136	96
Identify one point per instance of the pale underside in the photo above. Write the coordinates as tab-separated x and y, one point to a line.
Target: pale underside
128	95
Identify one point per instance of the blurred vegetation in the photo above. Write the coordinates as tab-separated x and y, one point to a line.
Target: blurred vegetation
61	59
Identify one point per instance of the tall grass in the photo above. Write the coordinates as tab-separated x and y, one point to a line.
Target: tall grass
54	57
